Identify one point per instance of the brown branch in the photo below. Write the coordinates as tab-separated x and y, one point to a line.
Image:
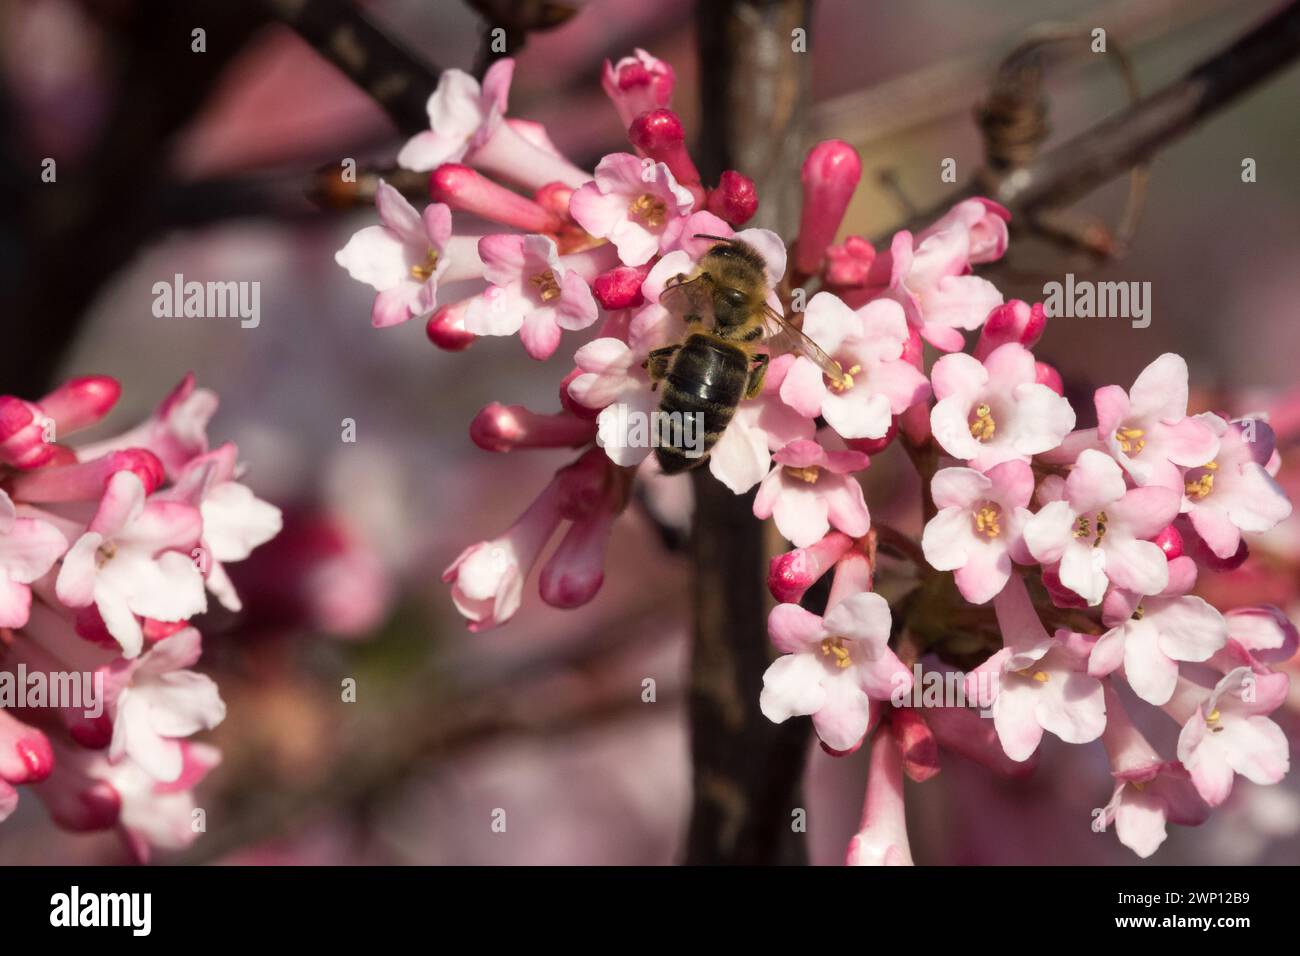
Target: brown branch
396	78
1135	134
746	770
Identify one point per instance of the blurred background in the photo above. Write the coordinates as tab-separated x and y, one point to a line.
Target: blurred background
203	170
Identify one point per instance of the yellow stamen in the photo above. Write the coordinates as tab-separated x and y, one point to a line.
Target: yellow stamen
1131	440
1138	612
1041	676
423	270
1082	527
1212	721
1138	785
105	554
835	646
983	427
650	210
986	521
846	382
809	473
547	287
1202	486
1101	528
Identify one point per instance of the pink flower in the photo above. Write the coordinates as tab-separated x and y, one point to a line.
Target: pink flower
1163	631
156	700
832	667
929	279
467	122
612	379
809	489
160	814
868	345
406	257
1225	732
235	521
1234	492
1265	632
462	117
743	455
977	531
1147	429
637	84
530	292
994	411
1149	792
1096	528
634	203
135	559
1041	684
28	549
984	223
487	579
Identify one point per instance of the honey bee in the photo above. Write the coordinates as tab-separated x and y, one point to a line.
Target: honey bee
732	334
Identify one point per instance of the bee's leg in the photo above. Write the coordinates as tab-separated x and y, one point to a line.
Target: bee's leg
757	373
657	362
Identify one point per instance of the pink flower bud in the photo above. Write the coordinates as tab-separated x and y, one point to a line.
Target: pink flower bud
735	199
446	328
81	402
659	135
466	189
916	742
570	405
1170	542
86	481
576	570
874	446
849	262
637	84
25	753
790	575
22	434
620	287
584	485
1014	321
507	427
1045	374
830	175
554	198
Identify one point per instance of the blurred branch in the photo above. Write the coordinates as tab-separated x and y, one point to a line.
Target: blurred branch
396	78
78	231
544	692
1134	135
746	770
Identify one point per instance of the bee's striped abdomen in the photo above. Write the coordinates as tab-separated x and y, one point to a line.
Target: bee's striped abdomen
707	377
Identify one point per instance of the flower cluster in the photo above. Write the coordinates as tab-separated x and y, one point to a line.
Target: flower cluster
1076	548
107	550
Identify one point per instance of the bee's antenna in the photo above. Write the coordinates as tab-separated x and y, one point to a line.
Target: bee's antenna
701	235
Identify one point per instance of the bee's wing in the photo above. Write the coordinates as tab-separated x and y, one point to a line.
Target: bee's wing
690	298
783	337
